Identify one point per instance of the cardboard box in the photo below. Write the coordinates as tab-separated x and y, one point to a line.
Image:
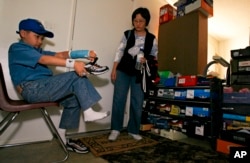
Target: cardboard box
146	127
241	136
224	146
243	109
168	93
167	13
197	111
180	94
198	94
176	124
198	129
172	134
175	110
170	82
163	107
162	123
200	5
184	81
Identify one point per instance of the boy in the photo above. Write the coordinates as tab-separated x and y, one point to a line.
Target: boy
36	83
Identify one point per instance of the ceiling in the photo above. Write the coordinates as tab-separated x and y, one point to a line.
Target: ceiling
231	19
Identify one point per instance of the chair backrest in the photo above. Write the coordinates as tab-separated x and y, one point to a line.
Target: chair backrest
4	97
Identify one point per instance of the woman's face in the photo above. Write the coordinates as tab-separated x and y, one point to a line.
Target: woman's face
139	23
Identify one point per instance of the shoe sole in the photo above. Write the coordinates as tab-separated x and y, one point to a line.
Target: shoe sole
77	151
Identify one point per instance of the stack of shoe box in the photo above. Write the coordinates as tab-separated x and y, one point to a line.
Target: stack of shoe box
235	130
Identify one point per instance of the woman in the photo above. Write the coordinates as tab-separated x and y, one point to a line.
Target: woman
125	76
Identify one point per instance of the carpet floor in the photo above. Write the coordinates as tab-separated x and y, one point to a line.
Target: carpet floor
100	145
167	151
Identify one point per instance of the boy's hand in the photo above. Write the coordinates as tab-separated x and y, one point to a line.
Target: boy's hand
79	68
92	55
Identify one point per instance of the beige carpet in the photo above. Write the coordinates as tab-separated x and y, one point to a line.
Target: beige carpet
100	145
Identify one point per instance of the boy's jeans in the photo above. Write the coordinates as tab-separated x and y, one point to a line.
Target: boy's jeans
70	90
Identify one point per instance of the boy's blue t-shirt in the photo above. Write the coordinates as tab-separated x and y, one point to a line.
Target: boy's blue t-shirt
23	63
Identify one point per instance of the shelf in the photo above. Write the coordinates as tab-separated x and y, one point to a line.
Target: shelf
181	117
197	108
184	102
188	87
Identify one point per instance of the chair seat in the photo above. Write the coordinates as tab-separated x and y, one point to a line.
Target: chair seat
21	105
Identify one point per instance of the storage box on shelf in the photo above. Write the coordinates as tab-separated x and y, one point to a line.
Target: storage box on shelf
235	110
195	108
224	146
167	13
201	5
204	6
236	118
240	66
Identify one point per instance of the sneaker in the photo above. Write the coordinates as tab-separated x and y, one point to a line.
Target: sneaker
135	136
96	69
76	146
113	135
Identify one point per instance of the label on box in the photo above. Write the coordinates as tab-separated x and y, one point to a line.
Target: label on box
189	111
199	130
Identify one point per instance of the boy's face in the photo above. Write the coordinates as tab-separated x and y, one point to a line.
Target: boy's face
139	23
32	38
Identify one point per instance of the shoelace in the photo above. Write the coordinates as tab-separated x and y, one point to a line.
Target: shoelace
145	68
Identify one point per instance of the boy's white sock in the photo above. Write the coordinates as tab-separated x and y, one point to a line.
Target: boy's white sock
62	133
91	115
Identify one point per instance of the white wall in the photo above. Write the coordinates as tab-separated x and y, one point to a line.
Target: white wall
99	26
223	48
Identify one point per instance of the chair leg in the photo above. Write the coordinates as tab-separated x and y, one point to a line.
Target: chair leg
54	132
7	121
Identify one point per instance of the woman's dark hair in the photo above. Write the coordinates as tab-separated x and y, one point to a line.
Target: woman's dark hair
144	13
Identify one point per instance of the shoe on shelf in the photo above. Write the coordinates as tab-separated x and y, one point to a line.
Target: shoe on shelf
113	135
76	146
136	136
91	115
96	69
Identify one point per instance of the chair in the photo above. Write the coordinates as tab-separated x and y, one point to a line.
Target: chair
14	107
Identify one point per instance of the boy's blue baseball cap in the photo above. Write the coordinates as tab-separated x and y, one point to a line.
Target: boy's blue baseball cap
34	26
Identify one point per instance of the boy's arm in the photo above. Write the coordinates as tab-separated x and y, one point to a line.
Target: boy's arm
63	62
88	54
52	60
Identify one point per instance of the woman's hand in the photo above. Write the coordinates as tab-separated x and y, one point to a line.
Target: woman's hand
113	75
143	60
